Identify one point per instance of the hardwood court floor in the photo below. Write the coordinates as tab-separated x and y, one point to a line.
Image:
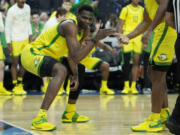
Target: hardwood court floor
109	115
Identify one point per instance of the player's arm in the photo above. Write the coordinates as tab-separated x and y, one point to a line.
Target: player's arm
159	14
142	27
169	16
121	23
76	51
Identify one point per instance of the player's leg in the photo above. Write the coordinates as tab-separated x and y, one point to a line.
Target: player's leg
104	68
137	50
126	71
58	72
70	114
134	73
3	91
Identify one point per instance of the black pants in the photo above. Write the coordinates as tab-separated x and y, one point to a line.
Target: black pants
176	111
126	67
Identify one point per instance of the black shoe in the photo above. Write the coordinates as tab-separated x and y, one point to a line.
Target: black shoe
173	126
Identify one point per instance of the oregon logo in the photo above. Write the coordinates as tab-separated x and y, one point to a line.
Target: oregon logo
162	57
36	61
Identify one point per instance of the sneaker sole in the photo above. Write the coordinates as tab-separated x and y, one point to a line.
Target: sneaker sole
41	129
74	121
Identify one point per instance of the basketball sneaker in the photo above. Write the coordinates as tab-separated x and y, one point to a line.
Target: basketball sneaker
69	117
4	92
149	125
133	90
164	115
41	123
18	90
104	90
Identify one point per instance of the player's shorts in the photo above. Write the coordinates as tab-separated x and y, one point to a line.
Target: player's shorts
163	47
135	46
18	46
2	57
91	63
36	63
41	65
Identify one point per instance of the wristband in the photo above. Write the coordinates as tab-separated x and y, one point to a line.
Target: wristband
93	40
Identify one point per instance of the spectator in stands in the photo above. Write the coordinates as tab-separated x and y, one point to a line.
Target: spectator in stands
3	90
44	17
37	26
130	17
85	2
67	5
112	23
17	31
60	16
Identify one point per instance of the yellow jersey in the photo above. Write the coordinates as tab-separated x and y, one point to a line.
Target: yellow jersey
132	16
151	7
52	43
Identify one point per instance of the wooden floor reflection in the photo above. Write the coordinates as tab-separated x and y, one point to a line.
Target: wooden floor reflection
109	115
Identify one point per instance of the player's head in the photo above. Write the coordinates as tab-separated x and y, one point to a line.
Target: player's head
67	4
21	3
135	2
85	16
35	17
61	14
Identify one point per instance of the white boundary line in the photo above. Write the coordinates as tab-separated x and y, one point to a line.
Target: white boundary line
19	127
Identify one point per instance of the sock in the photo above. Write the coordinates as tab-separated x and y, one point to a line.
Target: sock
165	112
104	83
71	108
1	84
133	85
155	116
19	79
14	82
42	113
126	84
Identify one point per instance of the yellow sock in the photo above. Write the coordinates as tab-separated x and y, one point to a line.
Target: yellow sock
133	85
71	108
104	83
42	112
1	84
155	116
20	79
14	82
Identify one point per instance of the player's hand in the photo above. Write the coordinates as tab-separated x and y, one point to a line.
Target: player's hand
145	38
102	33
122	38
113	51
74	83
10	48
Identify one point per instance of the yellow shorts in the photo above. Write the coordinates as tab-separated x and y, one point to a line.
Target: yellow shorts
163	45
2	57
18	46
31	60
90	62
135	46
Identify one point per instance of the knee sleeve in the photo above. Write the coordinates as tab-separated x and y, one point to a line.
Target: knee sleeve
75	94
